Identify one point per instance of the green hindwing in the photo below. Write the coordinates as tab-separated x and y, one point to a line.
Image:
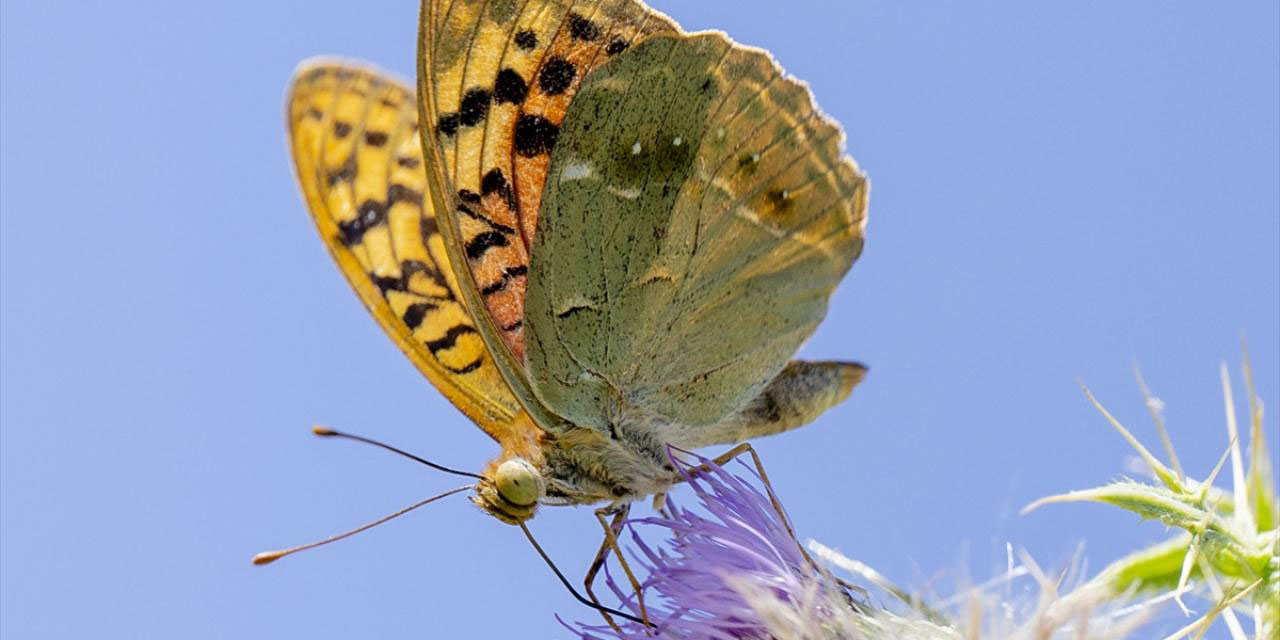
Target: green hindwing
698	212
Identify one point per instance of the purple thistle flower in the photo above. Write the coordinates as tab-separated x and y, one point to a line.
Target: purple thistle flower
729	571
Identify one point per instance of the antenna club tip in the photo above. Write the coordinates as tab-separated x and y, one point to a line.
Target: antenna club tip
321	430
267	557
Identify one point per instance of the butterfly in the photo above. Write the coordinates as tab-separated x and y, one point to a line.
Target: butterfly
596	234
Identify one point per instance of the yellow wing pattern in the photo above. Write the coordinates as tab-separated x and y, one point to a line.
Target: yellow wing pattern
355	143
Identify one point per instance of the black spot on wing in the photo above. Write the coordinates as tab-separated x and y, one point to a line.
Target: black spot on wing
387	283
527	40
415	313
493	182
375	138
485	241
449	339
400	193
496	183
779	201
582	29
470	366
427	229
507	276
408	162
556	76
475	106
341	129
535	135
509	87
617	46
410	267
448	124
497	226
370	214
345	173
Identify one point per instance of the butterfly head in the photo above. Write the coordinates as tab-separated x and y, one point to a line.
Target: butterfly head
510	490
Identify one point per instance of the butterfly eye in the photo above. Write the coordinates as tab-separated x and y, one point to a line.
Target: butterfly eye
518	482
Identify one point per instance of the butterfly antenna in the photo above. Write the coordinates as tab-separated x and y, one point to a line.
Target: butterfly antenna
326	432
565	581
267	557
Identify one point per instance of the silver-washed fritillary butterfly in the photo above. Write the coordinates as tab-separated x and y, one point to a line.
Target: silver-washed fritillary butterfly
596	234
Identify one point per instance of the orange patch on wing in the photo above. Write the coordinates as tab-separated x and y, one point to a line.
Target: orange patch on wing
528	69
551	92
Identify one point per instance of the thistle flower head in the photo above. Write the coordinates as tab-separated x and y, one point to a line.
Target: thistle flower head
729	569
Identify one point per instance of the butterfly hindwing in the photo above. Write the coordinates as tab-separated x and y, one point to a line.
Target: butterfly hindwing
653	221
356	148
698	212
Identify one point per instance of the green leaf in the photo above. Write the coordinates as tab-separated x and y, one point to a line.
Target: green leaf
1156	568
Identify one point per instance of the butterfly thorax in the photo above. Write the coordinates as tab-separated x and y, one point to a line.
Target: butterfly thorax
623	463
577	466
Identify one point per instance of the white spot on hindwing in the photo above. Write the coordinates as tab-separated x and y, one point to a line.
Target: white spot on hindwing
576	170
678	141
635	148
629	193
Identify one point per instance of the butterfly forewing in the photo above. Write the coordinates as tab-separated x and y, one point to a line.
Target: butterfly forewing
500	75
356	148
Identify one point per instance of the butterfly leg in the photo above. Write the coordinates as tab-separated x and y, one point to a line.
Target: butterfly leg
660	504
610	544
746	447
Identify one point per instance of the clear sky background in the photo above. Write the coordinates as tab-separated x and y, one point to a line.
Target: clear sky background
1059	189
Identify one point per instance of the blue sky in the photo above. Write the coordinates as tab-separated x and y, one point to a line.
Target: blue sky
1059	189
